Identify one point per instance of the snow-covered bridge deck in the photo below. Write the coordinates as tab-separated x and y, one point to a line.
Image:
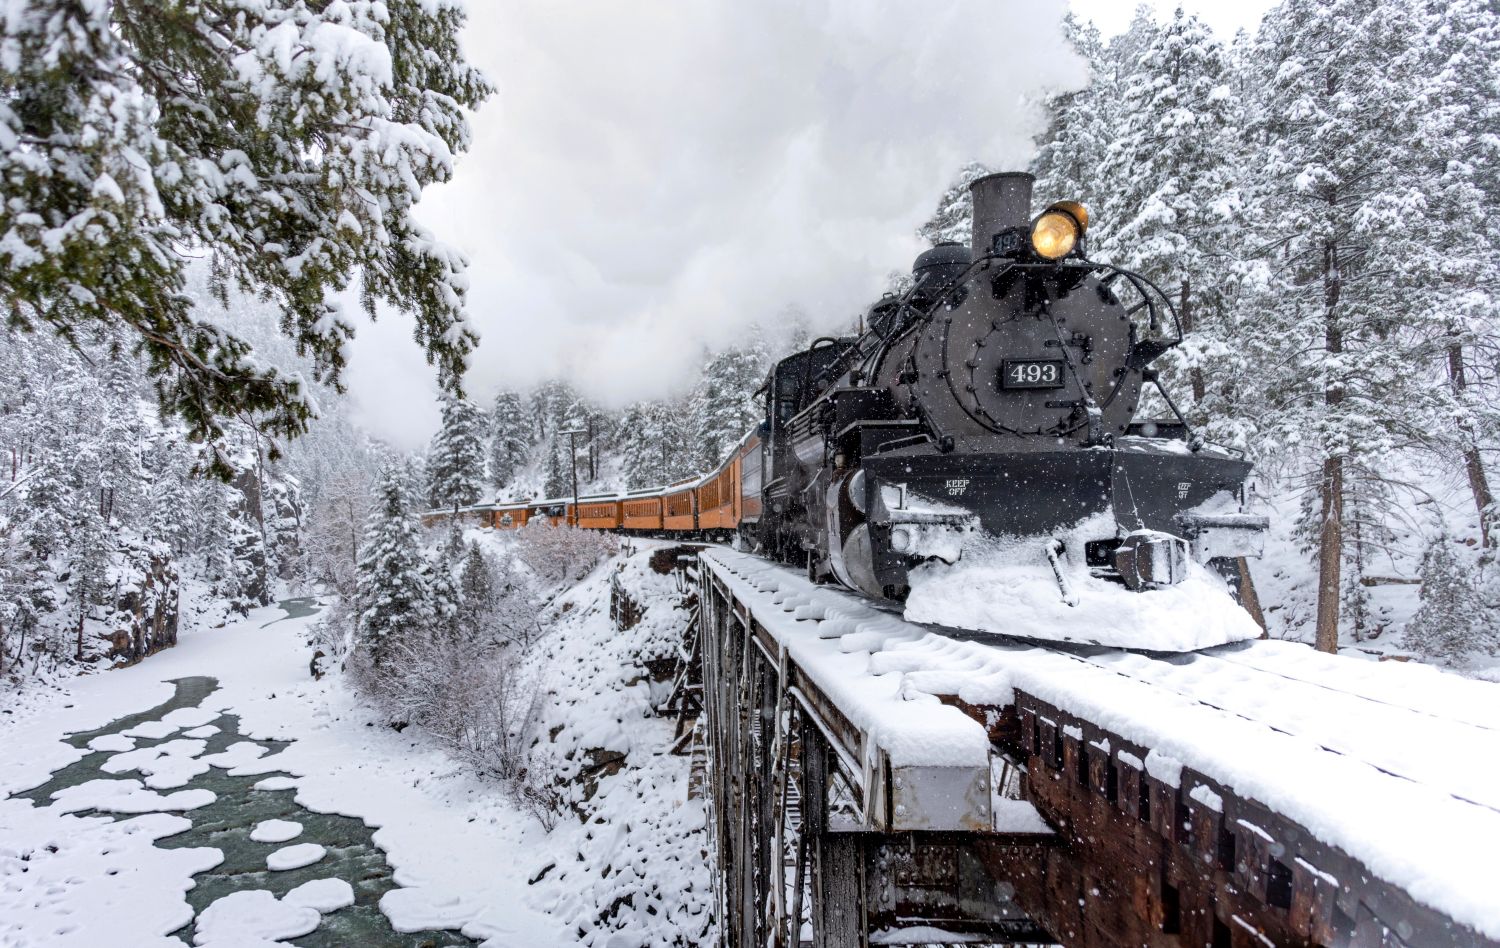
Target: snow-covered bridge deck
1259	793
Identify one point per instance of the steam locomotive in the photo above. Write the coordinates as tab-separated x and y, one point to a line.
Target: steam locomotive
995	398
998	395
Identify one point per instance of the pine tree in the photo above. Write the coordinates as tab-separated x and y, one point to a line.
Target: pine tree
167	518
128	136
1070	153
1171	214
1337	117
724	406
223	541
558	477
443	601
659	442
1462	188
455	462
510	438
89	565
1453	620
478	599
392	589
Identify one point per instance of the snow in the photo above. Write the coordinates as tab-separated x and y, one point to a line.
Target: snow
325	895
1207	797
164	766
1018	816
440	829
1008	587
250	917
127	796
68	882
112	742
419	908
857	656
276	831
295	856
237	756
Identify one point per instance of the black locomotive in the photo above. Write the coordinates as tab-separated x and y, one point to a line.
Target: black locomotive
998	394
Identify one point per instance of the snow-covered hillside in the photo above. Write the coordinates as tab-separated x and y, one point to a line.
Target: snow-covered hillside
623	858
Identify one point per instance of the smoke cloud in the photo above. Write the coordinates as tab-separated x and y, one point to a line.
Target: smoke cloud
653	177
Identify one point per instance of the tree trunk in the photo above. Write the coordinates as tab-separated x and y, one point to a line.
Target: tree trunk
1331	530
82	609
1330	555
593	452
1479	484
1185	313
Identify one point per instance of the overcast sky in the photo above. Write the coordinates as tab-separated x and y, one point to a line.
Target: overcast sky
653	177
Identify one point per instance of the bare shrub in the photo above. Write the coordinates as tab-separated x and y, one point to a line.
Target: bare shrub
562	554
483	708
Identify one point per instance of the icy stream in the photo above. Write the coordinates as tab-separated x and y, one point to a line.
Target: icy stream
227	823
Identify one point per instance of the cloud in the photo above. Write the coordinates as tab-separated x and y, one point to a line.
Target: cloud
652	177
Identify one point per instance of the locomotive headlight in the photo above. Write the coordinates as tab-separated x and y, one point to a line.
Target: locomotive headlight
1058	230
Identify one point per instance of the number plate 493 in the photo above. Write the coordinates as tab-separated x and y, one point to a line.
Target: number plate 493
1032	373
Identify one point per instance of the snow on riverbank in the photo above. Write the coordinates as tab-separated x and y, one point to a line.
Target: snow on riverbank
459	850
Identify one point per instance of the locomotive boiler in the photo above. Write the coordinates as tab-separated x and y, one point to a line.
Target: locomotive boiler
998	397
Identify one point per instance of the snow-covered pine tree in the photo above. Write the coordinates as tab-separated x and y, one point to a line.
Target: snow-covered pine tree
656	440
1458	258
724	405
1331	189
478	600
133	129
550	404
444	601
451	550
88	564
1171	213
1070	152
392	588
224	541
557	477
1453	620
455	462
510	438
167	517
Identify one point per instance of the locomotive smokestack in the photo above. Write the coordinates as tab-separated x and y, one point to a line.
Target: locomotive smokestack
1001	202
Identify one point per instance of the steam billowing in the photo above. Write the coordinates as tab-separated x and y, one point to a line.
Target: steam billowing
654	176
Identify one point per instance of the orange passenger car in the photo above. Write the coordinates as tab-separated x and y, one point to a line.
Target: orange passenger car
642	510
600	512
719	497
509	516
553	511
679	508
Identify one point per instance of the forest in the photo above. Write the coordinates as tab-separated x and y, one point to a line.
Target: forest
1318	198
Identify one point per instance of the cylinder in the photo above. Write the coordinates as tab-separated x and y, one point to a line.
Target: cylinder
1001	202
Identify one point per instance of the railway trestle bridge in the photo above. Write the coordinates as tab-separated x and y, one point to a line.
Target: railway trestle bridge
875	782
